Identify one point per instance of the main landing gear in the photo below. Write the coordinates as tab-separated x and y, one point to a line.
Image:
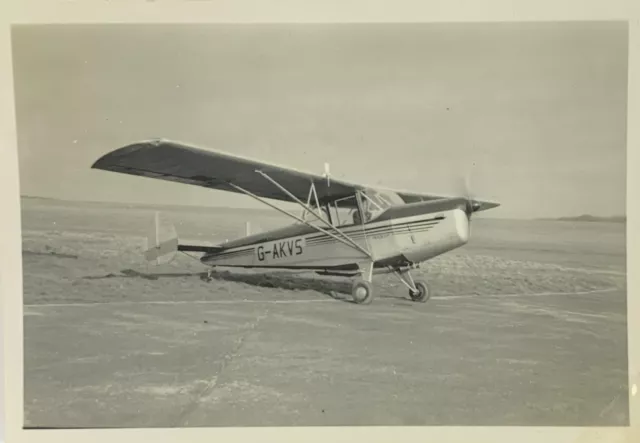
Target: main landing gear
362	289
422	292
362	292
419	290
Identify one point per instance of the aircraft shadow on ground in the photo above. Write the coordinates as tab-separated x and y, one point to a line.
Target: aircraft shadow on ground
50	253
336	289
130	273
339	290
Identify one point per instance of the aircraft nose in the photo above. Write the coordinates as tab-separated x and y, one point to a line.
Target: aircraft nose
471	206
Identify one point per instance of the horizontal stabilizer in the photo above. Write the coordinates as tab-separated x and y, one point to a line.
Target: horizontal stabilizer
163	249
198	248
162	242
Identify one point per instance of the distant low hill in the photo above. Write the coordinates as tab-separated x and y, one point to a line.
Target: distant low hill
592	218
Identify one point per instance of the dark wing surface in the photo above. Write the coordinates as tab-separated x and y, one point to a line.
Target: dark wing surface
182	163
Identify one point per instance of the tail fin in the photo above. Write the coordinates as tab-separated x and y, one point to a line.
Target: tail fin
162	242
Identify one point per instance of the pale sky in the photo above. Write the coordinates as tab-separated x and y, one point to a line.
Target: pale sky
539	109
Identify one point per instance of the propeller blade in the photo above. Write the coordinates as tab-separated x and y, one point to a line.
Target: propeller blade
465	183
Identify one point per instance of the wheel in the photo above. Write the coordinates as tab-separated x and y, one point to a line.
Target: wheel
362	292
423	294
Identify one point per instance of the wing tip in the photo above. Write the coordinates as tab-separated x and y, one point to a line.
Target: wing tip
108	159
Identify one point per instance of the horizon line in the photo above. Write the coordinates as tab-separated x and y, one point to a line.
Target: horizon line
178	205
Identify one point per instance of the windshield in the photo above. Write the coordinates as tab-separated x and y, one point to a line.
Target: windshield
344	211
373	205
373	202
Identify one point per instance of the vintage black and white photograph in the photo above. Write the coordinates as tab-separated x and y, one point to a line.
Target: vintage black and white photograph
323	224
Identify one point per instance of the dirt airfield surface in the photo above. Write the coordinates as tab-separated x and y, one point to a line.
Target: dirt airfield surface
527	326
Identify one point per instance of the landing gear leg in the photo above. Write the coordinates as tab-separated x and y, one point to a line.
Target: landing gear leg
207	277
419	290
362	289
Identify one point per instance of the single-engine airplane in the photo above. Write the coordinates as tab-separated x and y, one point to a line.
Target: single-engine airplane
344	229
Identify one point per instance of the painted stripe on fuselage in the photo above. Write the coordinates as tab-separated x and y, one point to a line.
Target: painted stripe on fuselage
391	215
356	232
404	228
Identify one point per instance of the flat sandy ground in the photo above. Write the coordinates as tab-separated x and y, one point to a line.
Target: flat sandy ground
527	326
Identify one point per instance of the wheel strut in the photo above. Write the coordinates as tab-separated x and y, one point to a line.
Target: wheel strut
418	290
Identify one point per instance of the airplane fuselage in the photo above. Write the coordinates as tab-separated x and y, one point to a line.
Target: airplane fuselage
403	235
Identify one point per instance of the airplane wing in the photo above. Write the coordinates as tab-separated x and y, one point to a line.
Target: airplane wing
183	163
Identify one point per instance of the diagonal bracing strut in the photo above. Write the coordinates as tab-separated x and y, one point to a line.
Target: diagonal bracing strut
250	194
318	216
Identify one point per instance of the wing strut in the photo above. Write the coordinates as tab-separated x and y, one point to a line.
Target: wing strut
362	221
312	193
319	217
250	194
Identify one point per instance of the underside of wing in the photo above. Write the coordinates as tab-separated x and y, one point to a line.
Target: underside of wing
182	163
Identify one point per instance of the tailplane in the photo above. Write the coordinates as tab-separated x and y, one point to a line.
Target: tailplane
162	242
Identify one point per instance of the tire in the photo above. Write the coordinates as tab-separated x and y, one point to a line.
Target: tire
362	292
423	294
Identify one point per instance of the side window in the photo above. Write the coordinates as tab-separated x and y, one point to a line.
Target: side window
342	211
343	216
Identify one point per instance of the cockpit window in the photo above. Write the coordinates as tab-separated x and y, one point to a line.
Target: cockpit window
374	204
344	212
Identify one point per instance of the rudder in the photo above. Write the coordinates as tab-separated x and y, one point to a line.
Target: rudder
162	242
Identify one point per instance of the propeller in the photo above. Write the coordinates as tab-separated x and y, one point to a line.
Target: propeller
471	204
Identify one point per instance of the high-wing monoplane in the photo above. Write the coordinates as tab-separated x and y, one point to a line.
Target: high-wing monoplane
343	228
